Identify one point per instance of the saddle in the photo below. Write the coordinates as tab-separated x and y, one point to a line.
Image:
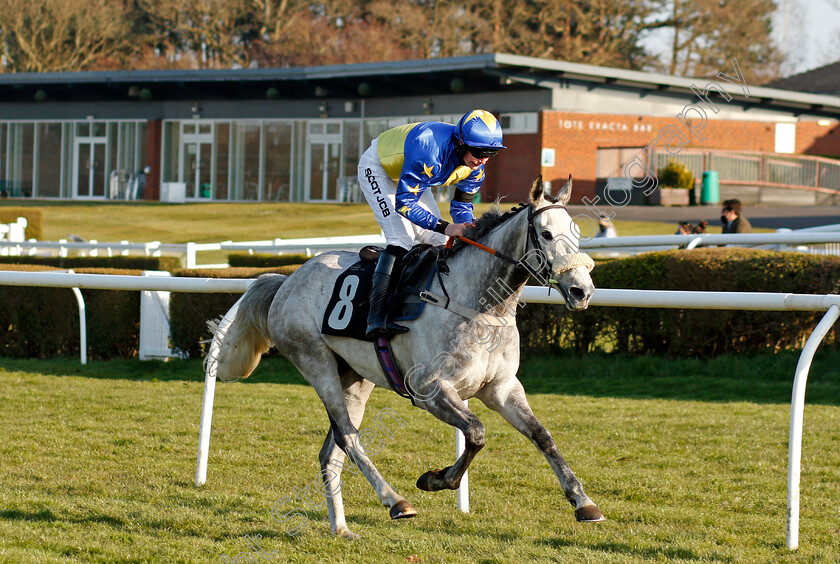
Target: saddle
347	311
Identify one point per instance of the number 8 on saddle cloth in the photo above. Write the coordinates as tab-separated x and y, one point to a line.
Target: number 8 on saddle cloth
347	311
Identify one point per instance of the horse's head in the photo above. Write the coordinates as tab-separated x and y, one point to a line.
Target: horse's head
555	238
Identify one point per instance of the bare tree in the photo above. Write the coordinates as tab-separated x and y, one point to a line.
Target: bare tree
199	33
61	35
294	33
709	33
600	32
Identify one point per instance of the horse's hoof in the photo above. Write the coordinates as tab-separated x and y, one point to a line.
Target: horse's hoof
402	510
589	514
346	534
432	481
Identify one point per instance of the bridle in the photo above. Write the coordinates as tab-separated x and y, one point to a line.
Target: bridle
570	260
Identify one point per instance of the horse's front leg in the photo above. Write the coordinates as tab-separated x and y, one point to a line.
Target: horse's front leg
447	406
509	401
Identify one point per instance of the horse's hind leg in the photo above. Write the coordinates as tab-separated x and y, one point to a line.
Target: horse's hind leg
510	401
356	393
447	406
319	366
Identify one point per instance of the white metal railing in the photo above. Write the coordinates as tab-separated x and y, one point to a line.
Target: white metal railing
120	282
761	169
602	297
62	248
802	240
13	231
824	240
309	246
188	252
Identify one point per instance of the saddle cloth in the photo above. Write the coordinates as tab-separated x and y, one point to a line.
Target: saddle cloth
347	311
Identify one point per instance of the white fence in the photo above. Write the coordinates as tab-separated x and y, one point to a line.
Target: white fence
800	240
824	240
187	252
13	232
603	297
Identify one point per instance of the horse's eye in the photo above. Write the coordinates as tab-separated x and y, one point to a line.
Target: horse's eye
547	235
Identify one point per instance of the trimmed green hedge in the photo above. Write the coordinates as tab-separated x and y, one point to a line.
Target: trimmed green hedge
189	312
34	220
264	260
44	322
689	332
118	262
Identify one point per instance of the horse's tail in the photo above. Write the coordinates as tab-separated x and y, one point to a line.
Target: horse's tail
241	336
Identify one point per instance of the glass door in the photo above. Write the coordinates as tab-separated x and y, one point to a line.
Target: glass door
324	161
89	167
196	166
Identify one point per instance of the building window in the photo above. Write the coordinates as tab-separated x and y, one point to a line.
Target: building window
127	160
349	183
21	159
67	159
4	169
373	127
277	149
245	158
222	149
522	122
171	148
299	160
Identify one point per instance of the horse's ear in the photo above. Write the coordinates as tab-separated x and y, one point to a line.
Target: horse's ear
565	192
537	190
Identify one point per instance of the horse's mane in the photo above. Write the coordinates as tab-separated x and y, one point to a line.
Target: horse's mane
487	222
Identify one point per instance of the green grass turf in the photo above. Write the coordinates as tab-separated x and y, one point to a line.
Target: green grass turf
211	223
686	458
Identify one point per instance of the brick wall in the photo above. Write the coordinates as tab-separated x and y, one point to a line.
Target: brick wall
576	137
511	173
815	139
154	138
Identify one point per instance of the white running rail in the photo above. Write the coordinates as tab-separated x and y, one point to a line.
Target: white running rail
828	303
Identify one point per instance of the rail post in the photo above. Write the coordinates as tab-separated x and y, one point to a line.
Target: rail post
797	409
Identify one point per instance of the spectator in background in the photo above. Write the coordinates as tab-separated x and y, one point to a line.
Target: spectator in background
683	228
605	227
731	218
141	183
700	228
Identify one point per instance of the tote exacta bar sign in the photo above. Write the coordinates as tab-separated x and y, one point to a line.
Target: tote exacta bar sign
614	126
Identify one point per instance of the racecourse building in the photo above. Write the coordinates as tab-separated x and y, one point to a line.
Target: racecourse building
296	134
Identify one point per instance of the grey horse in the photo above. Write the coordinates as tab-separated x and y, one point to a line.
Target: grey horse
471	350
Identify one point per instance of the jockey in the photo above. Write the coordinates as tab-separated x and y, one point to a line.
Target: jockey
394	174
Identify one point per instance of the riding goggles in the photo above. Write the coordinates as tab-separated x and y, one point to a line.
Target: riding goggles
482	153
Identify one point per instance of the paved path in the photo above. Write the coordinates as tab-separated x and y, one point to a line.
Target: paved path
768	217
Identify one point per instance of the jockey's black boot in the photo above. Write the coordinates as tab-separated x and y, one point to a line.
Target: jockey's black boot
378	324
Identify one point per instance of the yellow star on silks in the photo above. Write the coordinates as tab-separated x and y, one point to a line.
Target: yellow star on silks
480	174
415	190
403	210
428	170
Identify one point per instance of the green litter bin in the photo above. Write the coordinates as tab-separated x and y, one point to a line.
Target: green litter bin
710	189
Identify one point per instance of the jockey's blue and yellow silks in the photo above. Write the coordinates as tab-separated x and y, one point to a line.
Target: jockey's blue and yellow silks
419	155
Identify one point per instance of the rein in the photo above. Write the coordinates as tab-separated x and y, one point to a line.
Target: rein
484	248
571	260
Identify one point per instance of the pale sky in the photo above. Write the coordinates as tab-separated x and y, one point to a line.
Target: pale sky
807	30
811	29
